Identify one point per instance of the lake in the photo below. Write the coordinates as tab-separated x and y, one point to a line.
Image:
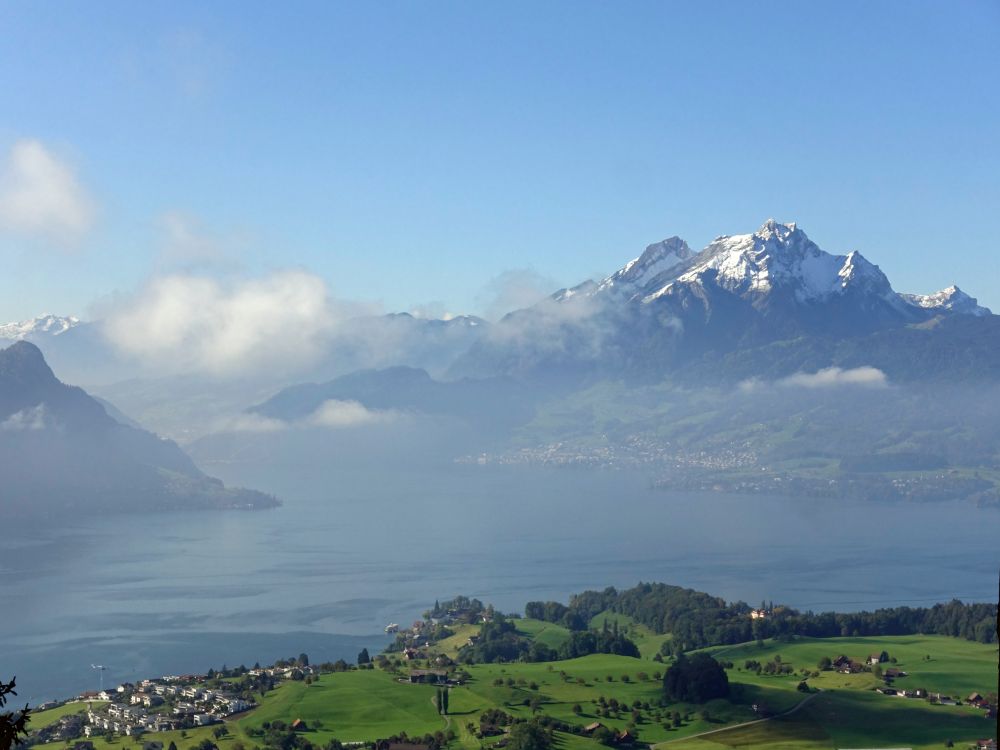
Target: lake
354	549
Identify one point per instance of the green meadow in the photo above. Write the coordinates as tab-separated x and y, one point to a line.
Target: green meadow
955	667
366	705
853	719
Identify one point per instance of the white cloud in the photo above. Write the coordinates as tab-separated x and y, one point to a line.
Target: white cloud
248	422
188	323
339	414
40	195
26	420
869	377
331	414
188	242
830	377
515	289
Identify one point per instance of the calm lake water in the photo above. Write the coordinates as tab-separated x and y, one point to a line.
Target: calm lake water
353	550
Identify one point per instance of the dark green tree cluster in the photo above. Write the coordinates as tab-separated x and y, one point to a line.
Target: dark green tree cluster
498	641
548	611
463	608
695	679
606	641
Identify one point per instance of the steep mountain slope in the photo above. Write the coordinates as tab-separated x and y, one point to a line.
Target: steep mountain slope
61	451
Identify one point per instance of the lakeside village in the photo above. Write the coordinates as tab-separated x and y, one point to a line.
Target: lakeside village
738	468
184	702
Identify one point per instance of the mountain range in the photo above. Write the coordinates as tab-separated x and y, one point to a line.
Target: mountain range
677	354
672	310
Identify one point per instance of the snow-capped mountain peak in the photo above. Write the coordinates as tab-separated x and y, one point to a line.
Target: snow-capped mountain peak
778	256
44	325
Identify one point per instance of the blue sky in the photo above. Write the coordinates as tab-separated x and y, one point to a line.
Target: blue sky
408	154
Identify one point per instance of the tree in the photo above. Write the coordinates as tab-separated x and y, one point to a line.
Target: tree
172	745
825	663
604	735
363	657
529	735
695	679
303	660
13	724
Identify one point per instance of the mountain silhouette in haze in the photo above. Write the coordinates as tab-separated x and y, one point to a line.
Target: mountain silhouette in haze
61	451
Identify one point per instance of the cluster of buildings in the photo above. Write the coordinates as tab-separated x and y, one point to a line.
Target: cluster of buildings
634	451
157	706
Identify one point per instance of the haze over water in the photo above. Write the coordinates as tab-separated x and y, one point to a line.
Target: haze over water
353	550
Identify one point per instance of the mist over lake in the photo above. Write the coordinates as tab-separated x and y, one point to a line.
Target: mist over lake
357	546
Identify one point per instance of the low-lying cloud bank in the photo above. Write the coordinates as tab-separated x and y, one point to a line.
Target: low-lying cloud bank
331	414
829	377
31	419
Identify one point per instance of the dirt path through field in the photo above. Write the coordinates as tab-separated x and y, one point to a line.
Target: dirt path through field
789	712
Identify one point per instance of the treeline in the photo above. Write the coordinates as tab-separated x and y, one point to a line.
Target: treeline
697	620
500	641
973	622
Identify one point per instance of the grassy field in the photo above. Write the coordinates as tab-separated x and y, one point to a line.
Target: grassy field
648	642
450	645
549	633
843	719
45	718
371	704
956	667
352	706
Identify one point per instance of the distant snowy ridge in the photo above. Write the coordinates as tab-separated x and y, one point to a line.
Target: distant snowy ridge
952	298
47	324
